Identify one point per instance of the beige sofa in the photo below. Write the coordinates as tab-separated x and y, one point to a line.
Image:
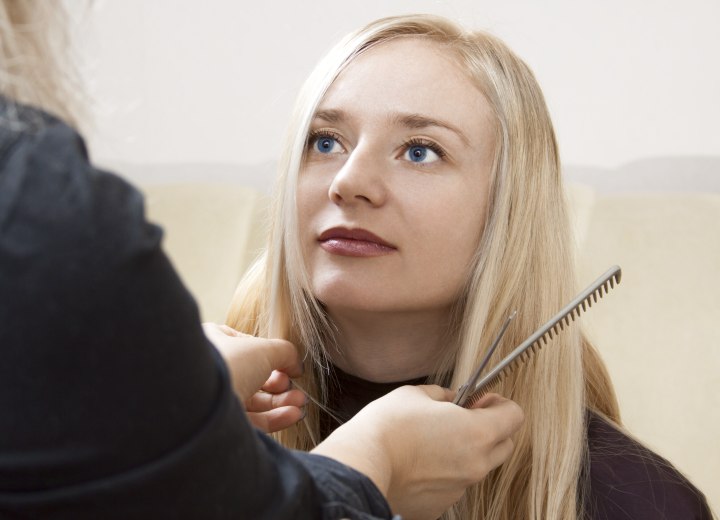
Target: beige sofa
659	331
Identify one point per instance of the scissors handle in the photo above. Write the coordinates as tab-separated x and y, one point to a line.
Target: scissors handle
462	392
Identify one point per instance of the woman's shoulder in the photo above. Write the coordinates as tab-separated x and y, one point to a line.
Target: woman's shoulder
52	193
627	480
21	123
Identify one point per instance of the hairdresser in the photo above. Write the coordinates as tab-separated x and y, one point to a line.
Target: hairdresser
114	403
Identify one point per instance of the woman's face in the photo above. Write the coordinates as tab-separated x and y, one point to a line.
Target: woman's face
393	193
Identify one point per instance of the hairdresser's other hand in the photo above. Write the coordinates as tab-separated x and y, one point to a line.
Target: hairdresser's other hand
421	450
261	370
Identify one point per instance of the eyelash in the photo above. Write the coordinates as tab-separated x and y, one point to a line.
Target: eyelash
317	134
419	141
415	141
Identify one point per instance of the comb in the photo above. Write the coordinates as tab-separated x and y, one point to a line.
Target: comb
469	394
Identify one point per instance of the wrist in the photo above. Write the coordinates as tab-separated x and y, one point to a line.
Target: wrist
369	457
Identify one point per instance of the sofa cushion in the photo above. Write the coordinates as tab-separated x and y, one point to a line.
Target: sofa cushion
213	231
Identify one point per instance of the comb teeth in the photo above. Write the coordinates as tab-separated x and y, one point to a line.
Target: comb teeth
546	333
474	398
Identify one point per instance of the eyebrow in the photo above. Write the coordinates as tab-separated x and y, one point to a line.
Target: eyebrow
414	121
417	121
331	116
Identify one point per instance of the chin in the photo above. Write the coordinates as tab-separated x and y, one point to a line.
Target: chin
334	286
349	298
355	296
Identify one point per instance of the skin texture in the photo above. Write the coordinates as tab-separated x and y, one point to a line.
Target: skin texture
404	446
428	214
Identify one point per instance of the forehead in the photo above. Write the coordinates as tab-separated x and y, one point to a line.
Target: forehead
409	75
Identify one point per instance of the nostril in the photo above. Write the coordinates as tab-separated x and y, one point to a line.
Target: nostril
335	196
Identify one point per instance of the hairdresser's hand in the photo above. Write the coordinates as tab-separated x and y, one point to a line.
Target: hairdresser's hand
261	370
421	450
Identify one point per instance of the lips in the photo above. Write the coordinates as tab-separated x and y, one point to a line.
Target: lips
354	242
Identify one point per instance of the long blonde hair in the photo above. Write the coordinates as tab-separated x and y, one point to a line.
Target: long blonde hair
524	262
35	58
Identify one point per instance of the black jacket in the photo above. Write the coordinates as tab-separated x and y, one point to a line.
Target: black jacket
112	402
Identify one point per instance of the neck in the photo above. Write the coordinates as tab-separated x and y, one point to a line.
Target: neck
388	347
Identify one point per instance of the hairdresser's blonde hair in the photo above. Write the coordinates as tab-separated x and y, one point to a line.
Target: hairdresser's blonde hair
524	262
35	65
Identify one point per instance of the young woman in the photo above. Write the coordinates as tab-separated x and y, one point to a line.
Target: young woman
111	409
420	202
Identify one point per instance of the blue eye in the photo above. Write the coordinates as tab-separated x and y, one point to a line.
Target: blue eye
418	153
325	144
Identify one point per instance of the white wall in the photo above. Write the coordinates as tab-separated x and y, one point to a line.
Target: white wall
187	81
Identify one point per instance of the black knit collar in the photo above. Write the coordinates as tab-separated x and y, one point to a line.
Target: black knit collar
349	394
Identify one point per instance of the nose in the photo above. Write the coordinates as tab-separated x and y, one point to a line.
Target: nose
361	180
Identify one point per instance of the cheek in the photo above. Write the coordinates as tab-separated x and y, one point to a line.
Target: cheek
455	223
450	234
311	201
309	197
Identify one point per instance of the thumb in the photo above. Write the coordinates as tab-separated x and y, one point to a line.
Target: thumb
282	355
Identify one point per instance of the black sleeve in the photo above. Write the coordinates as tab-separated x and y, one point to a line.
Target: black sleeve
112	402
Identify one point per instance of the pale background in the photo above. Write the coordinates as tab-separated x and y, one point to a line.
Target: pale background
213	81
188	90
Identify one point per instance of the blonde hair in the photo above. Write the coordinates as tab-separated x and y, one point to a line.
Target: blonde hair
524	262
35	65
